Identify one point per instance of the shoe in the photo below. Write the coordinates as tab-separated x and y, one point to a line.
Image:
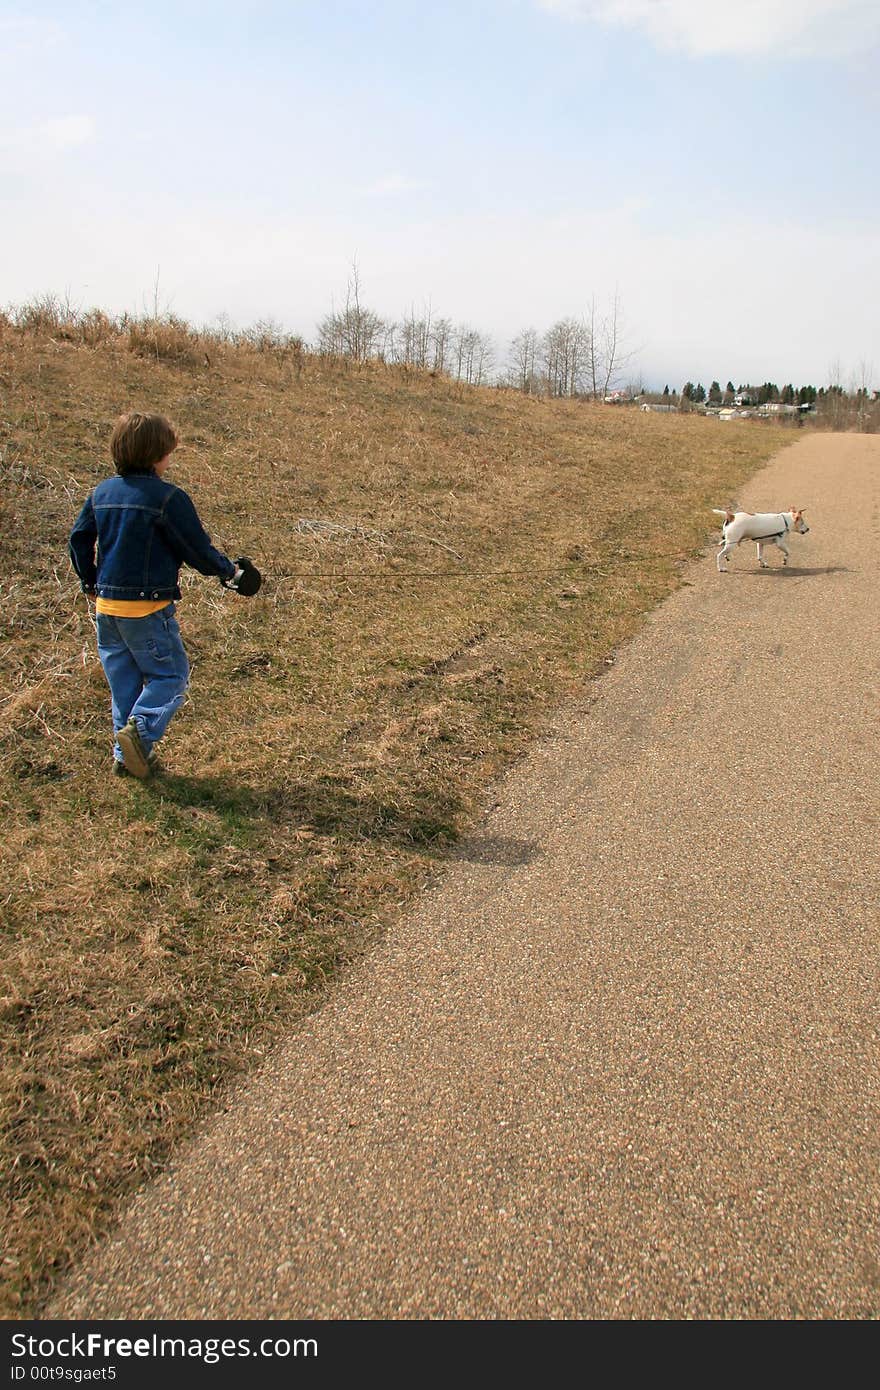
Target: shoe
133	752
156	768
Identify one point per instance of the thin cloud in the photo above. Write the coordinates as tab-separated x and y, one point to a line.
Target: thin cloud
395	183
47	138
67	131
778	28
20	34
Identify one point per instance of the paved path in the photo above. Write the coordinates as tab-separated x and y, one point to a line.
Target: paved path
621	1062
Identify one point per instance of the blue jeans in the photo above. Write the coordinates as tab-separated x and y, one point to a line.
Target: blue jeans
147	670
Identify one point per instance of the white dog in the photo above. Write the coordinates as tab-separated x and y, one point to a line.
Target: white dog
759	527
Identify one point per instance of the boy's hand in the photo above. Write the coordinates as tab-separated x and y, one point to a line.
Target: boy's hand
247	578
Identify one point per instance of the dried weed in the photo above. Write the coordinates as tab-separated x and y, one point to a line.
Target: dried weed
442	566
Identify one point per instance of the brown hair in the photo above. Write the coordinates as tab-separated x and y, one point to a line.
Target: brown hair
139	441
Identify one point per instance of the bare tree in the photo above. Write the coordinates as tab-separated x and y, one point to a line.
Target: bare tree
862	389
563	357
441	342
432	344
224	331
472	355
835	397
266	334
523	360
611	344
592	351
484	357
605	349
356	332
412	345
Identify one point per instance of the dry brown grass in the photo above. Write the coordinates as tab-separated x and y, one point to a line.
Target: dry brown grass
342	730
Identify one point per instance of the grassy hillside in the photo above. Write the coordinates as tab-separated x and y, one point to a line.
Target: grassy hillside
443	565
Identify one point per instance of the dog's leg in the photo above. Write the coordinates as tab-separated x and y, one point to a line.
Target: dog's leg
722	555
761	561
785	550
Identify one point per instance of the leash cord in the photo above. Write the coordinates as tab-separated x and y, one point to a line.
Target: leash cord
571	569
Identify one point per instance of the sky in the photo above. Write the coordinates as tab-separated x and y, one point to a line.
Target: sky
502	163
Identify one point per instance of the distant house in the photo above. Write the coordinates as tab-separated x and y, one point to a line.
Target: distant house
649	405
618	398
730	412
743	398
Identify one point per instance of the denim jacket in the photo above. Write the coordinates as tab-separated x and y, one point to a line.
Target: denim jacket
144	529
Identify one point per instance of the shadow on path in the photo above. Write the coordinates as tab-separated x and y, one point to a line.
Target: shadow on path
783	571
498	849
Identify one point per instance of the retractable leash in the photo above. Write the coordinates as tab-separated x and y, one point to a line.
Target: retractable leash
573	570
247	578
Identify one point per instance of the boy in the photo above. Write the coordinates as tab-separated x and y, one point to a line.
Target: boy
144	530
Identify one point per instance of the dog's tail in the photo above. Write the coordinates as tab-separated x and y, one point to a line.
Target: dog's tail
726	512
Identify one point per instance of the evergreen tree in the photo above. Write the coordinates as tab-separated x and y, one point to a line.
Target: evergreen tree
715	393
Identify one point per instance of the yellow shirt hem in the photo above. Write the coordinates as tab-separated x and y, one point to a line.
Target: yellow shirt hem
130	608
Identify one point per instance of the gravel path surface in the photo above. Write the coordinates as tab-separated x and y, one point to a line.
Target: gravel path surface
621	1061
